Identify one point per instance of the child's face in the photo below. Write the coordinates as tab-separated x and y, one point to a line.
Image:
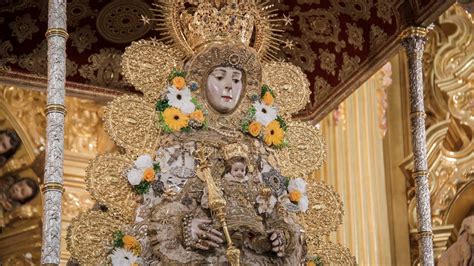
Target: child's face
5	143
238	170
20	191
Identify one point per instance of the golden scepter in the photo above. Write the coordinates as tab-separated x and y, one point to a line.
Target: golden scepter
217	205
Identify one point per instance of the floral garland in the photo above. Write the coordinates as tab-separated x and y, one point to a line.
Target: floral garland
144	172
262	120
126	251
179	110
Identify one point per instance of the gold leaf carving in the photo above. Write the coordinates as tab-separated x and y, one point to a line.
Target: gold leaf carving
108	186
147	64
130	122
90	237
289	84
305	152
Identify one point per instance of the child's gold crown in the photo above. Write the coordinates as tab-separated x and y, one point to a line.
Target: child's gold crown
236	150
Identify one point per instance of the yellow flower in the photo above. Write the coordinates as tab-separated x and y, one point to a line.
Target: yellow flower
273	134
311	263
132	244
149	174
295	195
197	115
255	128
175	119
179	82
267	98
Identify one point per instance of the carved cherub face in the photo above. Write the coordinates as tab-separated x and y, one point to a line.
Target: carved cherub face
5	143
21	191
224	89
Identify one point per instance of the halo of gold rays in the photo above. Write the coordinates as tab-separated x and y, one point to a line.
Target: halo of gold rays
290	85
90	237
147	63
305	153
168	15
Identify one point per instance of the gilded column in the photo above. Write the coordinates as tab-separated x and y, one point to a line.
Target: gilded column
55	114
413	39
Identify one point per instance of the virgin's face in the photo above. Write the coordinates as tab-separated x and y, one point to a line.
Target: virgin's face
224	89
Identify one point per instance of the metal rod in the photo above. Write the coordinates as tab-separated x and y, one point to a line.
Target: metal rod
413	39
55	116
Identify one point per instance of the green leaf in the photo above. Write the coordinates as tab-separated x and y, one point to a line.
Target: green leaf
156	167
176	73
161	105
282	123
142	188
264	90
186	129
245	126
196	103
118	236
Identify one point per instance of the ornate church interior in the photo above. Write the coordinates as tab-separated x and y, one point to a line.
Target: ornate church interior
237	132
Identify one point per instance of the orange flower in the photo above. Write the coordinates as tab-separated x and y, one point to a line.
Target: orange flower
273	134
267	98
295	196
311	263
132	244
149	174
197	115
179	82
255	128
175	119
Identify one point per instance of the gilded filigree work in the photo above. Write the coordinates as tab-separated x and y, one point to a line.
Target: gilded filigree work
355	34
5	57
357	9
36	62
377	36
23	27
104	69
328	61
120	21
291	87
305	153
130	122
99	228
83	38
333	253
349	66
321	88
105	183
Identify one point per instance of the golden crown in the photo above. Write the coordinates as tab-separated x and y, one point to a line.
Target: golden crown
190	25
235	150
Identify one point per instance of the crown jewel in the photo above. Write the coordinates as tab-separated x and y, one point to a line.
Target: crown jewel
235	150
191	24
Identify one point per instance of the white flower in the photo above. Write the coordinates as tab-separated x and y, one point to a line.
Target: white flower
135	176
181	99
297	184
265	114
297	190
144	161
122	257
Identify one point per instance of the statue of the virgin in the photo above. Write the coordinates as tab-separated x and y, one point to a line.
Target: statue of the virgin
212	166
